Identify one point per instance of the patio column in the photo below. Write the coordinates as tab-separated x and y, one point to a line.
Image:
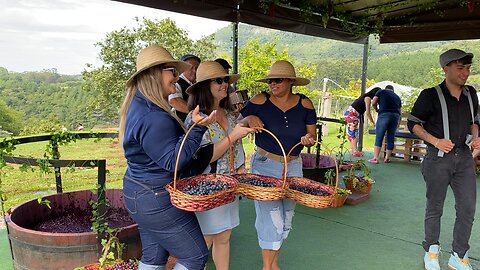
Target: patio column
364	86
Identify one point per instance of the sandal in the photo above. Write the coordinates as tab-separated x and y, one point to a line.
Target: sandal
373	161
387	160
357	154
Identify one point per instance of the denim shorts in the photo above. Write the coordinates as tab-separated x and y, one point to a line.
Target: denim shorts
164	229
274	218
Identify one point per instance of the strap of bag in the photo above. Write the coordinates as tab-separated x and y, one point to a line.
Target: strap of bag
446	127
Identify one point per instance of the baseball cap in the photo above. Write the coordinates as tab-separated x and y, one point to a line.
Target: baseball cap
190	56
453	55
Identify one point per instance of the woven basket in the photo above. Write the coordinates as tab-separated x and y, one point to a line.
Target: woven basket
314	201
260	193
355	183
198	203
339	200
264	193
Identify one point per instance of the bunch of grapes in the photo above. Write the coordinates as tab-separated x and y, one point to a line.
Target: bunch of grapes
130	265
256	182
310	190
204	188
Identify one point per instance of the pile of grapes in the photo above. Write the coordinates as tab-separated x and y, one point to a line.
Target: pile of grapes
206	187
310	190
130	265
255	182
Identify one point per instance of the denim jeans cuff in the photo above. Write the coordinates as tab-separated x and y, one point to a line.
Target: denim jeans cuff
142	266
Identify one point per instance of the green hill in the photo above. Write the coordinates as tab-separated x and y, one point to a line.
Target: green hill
404	63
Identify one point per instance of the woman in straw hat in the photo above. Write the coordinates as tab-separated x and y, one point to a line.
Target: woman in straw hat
210	92
151	136
291	117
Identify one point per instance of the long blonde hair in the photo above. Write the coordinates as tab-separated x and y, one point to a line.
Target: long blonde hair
149	83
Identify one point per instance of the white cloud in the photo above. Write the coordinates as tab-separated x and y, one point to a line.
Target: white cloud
44	34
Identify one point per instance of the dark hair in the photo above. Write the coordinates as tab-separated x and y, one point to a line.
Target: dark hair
389	87
202	95
223	62
375	90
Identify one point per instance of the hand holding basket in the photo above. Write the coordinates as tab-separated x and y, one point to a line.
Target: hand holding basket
311	193
260	187
202	192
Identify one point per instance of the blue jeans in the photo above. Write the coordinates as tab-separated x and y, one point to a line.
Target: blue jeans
387	122
274	218
164	229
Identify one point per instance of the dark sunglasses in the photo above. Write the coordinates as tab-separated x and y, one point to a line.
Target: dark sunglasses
173	70
276	80
221	80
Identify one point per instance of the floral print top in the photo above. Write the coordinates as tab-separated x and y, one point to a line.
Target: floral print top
214	134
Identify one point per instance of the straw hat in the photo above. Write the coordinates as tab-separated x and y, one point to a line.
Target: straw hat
282	69
210	70
155	55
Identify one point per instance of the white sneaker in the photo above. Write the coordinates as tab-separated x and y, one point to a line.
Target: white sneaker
431	258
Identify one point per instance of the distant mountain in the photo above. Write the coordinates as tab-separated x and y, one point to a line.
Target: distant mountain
404	63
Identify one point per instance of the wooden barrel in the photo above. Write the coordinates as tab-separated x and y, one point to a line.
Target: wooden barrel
36	250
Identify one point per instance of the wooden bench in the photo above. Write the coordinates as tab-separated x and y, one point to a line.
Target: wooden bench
407	145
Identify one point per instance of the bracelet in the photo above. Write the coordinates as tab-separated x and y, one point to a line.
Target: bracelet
438	140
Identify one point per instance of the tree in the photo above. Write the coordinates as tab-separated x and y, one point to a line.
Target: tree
255	61
10	120
118	53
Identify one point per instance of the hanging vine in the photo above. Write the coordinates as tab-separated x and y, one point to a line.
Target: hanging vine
315	11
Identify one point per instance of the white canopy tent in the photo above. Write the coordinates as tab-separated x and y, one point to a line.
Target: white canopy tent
398	88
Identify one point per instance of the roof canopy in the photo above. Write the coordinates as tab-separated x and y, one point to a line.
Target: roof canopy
345	20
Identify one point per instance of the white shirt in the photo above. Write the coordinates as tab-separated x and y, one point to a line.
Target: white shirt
178	89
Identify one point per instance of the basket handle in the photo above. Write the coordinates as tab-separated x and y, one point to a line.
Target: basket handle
330	155
180	151
284	156
181	147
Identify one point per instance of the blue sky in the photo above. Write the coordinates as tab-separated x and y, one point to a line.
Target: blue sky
44	34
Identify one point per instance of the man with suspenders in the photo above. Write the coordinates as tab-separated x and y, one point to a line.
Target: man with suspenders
443	116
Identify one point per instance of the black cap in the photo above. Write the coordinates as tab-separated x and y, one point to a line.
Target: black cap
223	62
190	56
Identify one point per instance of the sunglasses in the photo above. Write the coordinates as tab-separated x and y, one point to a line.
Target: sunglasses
173	70
221	80
276	80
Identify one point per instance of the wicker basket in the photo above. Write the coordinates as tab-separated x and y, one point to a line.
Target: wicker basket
198	203
314	201
356	183
264	193
339	200
260	193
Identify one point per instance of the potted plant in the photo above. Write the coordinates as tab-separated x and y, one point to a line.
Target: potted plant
362	183
343	163
340	197
341	194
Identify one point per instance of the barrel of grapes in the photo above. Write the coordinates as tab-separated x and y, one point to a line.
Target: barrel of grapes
37	245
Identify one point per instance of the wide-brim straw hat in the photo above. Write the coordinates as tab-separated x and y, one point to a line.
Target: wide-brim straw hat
282	69
155	55
211	70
